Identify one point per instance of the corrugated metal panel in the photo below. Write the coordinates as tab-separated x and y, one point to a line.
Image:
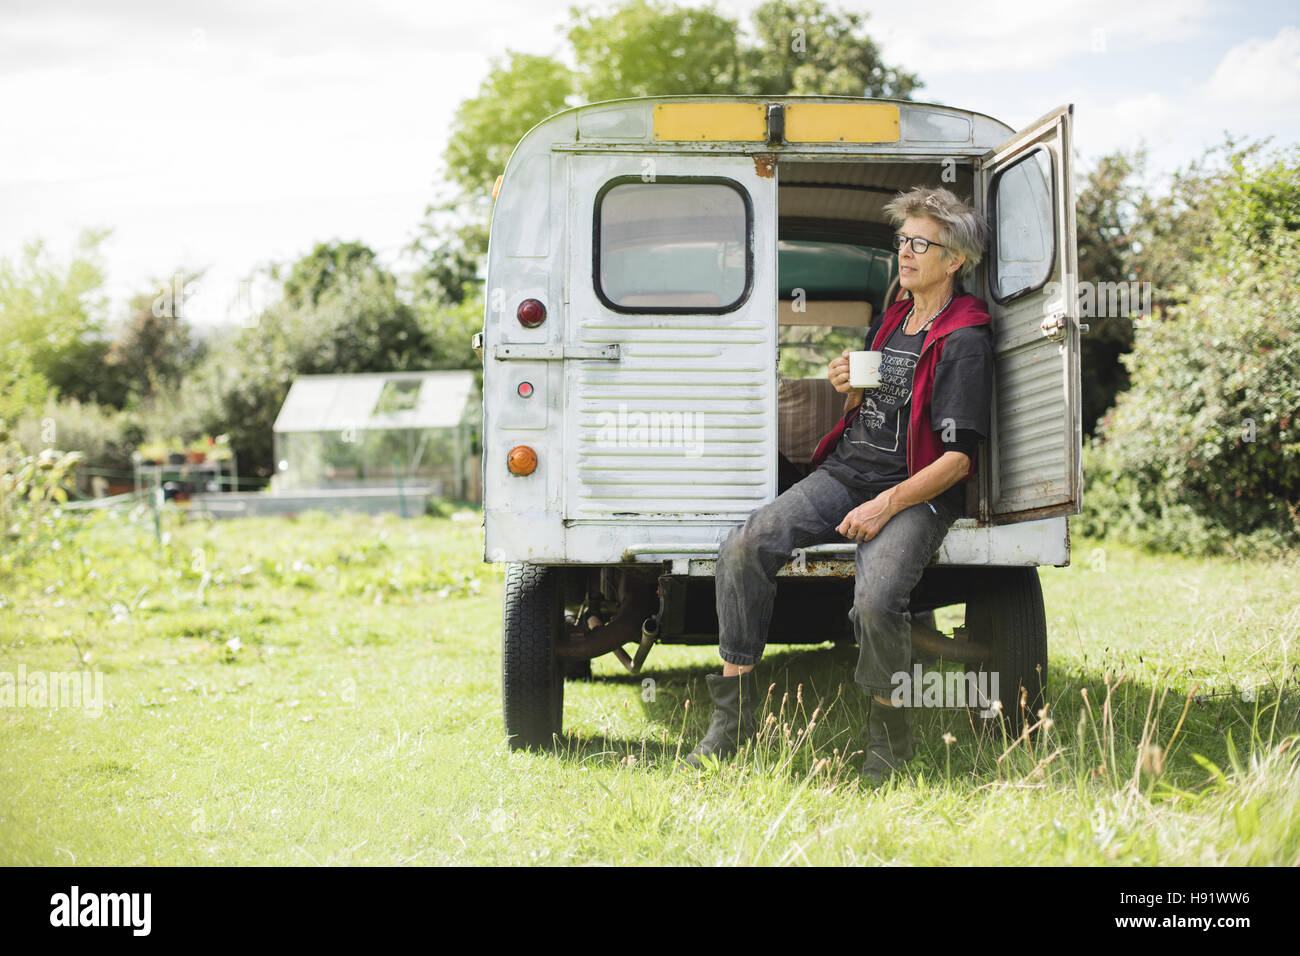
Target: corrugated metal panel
679	424
1033	423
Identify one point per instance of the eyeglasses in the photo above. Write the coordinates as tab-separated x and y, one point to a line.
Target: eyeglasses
918	245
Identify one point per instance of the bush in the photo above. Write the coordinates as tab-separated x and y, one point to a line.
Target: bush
1202	453
32	487
22	387
98	433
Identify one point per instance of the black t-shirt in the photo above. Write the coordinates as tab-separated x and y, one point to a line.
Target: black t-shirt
872	454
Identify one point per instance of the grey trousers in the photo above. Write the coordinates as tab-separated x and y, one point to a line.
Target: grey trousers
888	568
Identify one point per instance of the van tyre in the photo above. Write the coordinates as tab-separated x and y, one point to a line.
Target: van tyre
532	682
1005	611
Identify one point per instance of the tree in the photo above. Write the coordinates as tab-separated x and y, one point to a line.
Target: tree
238	390
323	268
52	318
1183	226
645	48
1160	239
516	95
154	348
1202	453
340	312
806	47
452	244
1106	215
22	387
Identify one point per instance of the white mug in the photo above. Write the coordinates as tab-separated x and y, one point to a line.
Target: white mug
864	369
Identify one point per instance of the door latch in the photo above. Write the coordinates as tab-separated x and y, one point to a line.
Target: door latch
1054	326
534	353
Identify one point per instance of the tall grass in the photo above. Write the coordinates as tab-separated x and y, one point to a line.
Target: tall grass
326	690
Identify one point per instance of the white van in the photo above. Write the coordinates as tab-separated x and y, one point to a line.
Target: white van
652	262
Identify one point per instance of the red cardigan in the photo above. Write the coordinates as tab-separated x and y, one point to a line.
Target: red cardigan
924	446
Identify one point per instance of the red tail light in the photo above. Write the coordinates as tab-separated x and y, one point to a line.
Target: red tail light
531	313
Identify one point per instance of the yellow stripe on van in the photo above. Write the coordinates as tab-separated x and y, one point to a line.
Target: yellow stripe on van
711	122
841	123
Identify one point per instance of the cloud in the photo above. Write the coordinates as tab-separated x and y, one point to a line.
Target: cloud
1144	118
227	135
1258	74
93	35
966	36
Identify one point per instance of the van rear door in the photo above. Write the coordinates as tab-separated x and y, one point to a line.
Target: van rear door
670	354
1031	275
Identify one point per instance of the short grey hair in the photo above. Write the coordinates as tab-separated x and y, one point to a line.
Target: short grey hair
961	228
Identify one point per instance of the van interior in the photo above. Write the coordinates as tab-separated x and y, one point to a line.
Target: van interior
836	271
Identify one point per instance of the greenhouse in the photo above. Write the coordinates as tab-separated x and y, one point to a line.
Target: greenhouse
410	431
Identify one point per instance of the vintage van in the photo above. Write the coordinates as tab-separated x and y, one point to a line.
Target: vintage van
667	279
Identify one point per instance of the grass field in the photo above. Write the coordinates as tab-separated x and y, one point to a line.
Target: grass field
326	690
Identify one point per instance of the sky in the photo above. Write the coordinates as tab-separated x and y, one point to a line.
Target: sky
226	136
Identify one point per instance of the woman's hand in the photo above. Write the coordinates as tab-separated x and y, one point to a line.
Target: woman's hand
838	373
865	521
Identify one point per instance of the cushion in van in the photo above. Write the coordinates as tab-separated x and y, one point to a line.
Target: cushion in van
806	409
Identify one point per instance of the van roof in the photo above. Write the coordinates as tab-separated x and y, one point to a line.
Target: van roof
811	124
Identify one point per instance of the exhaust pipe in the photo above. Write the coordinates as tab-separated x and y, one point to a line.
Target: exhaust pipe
649	634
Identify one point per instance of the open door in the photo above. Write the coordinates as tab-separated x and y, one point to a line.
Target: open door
1031	272
670	371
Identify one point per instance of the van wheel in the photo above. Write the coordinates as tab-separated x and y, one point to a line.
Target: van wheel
1005	611
532	683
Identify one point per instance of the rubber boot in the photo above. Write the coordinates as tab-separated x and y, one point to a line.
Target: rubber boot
734	720
889	741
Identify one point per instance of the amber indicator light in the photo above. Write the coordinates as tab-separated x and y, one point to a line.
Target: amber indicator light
522	460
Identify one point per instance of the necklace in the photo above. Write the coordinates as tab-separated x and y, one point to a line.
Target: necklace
928	321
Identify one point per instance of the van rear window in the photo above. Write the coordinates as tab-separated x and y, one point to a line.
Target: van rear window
679	245
1025	227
